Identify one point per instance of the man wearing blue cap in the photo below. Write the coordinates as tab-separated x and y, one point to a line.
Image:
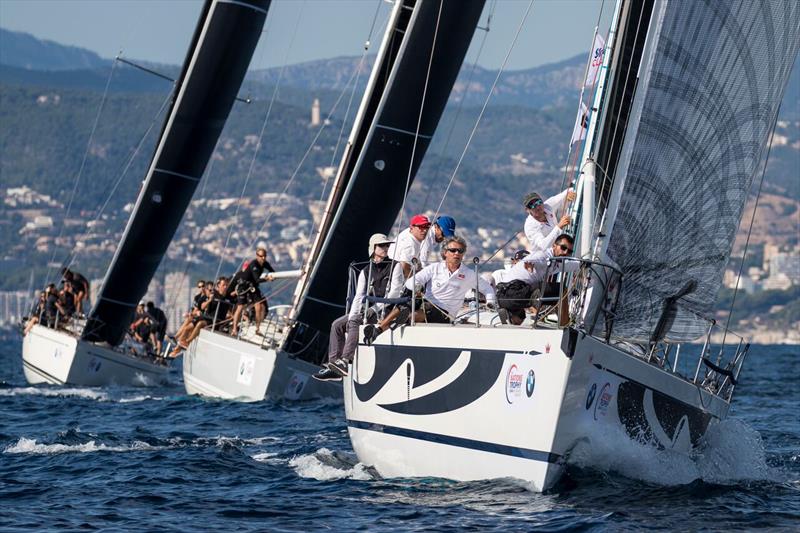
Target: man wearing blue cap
443	227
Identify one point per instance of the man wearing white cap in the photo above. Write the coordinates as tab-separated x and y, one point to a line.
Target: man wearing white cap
373	280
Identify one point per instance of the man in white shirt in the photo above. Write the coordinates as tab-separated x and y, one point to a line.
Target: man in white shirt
500	275
443	227
446	284
405	249
542	227
515	294
372	281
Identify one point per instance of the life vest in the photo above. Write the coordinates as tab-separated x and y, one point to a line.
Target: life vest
378	277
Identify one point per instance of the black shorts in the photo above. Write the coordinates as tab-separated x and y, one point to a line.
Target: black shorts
434	315
514	297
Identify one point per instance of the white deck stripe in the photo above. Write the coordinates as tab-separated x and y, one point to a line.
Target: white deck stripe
118	302
243	4
178	174
413	134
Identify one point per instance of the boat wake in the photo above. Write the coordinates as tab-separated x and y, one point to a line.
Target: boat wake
732	452
69	392
325	465
30	446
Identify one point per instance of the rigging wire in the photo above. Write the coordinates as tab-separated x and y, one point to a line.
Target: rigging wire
82	166
419	119
453	125
485	104
260	138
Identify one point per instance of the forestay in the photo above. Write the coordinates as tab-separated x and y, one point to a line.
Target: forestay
710	86
223	43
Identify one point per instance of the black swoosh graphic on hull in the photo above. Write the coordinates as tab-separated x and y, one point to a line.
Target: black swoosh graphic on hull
481	373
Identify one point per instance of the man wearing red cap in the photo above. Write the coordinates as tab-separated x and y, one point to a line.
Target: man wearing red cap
406	248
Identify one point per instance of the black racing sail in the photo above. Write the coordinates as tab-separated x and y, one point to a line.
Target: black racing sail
223	43
708	88
411	82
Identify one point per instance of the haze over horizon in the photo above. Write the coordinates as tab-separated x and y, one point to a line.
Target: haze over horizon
159	30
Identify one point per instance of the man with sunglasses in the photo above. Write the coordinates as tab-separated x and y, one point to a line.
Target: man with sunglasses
541	226
245	288
515	295
373	280
446	284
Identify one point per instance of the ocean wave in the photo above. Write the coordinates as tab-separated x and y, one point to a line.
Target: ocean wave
30	446
323	465
732	453
74	392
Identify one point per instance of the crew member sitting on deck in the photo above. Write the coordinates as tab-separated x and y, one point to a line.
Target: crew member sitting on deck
216	312
407	246
500	275
446	283
66	304
80	287
514	296
373	280
37	313
246	289
541	226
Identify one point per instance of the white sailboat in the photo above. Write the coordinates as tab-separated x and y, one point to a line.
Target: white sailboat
681	133
381	158
96	352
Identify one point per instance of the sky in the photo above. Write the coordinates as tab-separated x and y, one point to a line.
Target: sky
302	30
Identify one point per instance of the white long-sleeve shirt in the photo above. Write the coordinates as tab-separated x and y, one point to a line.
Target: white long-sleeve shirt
404	249
539	262
542	235
447	289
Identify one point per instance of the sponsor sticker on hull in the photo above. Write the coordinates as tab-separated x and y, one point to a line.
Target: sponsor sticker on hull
244	373
514	381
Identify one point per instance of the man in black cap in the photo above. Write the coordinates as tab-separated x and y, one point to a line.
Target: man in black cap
542	227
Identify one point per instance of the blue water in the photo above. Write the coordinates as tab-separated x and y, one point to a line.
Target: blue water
155	459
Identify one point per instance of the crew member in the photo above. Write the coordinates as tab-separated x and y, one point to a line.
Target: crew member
541	226
443	227
247	291
446	284
407	247
373	280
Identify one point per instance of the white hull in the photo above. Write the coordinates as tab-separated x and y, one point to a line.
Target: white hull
471	403
58	358
219	366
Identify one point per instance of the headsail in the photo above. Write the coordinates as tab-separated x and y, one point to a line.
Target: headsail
223	44
710	85
413	99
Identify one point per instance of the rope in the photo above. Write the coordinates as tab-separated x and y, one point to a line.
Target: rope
485	104
83	165
260	137
419	118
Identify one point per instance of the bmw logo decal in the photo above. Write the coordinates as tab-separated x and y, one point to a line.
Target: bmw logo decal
529	383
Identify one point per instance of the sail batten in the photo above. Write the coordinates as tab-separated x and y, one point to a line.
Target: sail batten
705	105
222	45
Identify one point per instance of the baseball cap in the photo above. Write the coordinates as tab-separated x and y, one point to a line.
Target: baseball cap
448	225
378	238
420	220
521	254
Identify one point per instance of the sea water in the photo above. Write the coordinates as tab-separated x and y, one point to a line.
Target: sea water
156	459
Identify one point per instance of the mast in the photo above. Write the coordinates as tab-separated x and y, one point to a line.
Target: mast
222	46
377	169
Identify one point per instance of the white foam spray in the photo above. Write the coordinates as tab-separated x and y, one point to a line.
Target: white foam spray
322	465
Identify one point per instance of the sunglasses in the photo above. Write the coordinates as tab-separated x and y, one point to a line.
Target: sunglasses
455	250
533	204
200	285
261	256
423	226
565	248
383	245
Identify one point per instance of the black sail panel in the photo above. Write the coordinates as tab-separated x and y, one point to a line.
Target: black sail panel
413	102
213	72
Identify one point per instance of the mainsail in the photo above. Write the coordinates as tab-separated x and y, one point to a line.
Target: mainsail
402	114
223	44
710	85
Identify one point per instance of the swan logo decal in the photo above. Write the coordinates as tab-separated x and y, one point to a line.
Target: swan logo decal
530	383
590	396
513	384
425	380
